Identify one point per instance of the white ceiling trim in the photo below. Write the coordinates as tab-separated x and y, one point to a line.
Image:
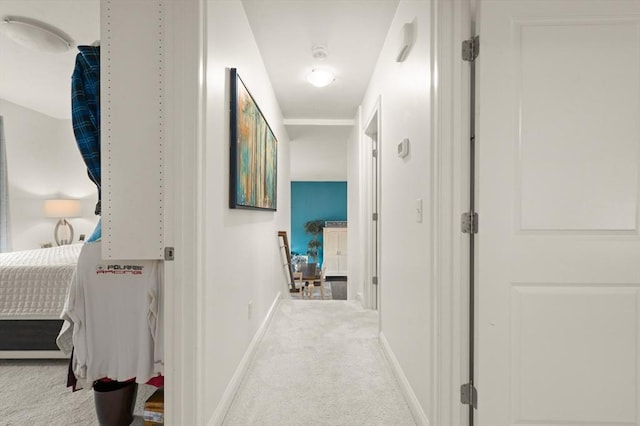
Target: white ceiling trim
317	122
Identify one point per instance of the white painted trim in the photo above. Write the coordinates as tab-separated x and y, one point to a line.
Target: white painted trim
354	210
450	136
412	400
184	282
367	167
33	355
317	122
235	382
463	26
438	235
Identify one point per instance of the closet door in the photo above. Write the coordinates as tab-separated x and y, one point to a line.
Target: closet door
133	144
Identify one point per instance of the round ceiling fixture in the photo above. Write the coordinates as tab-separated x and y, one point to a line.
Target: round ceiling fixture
320	77
35	34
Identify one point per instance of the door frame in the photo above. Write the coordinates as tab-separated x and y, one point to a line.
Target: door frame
451	24
183	301
372	127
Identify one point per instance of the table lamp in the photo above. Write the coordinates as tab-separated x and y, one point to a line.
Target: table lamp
62	210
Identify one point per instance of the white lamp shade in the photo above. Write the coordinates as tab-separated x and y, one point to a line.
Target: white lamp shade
62	208
320	77
35	35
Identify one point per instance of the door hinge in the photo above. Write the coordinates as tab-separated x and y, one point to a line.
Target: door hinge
471	49
374	153
375	216
374	280
169	253
469	223
469	395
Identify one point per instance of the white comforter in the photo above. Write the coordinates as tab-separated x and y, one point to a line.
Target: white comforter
34	283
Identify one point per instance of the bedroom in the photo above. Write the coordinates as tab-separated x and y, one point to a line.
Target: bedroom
43	161
43	165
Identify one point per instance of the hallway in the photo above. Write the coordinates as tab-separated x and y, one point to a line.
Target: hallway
320	363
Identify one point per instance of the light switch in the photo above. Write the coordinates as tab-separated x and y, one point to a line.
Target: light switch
419	210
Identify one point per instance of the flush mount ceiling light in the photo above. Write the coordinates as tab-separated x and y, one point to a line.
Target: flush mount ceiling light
35	34
320	77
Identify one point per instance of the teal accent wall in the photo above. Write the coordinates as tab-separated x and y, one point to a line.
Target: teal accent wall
311	201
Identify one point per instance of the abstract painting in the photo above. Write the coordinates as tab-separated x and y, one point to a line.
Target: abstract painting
254	152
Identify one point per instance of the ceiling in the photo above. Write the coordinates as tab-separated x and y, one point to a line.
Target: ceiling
352	31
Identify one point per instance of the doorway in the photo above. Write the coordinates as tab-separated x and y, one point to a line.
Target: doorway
319	198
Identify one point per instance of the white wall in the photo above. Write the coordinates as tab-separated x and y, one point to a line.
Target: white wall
241	246
354	208
405	283
43	162
319	153
312	161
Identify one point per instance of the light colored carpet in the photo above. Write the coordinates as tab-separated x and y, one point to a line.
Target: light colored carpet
34	393
320	363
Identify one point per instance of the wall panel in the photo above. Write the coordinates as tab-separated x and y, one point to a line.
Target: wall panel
132	107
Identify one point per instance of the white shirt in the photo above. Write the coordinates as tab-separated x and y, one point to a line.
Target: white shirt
112	312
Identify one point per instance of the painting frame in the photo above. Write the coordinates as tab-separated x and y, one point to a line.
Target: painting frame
253	177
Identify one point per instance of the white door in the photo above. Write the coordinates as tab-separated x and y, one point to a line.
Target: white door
331	250
558	260
335	250
343	244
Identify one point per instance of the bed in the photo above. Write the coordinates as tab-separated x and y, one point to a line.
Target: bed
33	289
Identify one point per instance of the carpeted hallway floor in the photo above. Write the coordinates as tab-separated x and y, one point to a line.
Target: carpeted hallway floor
320	363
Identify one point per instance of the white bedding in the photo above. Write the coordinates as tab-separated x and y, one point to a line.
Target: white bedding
34	283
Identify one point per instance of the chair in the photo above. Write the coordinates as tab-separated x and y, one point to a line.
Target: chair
305	279
320	280
298	284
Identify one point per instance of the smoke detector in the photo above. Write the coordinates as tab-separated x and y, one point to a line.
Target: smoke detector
319	52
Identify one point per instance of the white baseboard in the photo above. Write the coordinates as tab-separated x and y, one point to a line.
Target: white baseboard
236	380
414	405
